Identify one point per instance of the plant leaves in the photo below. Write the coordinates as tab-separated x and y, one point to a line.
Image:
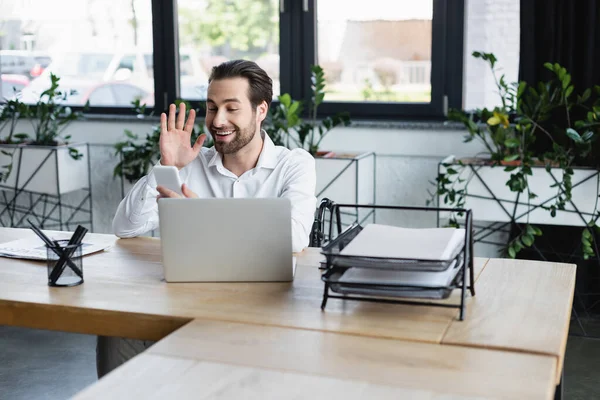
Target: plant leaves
285	99
512	143
587	136
565	82
586	95
573	135
527	240
569	91
511	157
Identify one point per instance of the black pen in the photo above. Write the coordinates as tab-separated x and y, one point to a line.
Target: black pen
50	243
41	235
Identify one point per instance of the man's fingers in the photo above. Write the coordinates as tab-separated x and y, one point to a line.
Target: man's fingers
199	143
163	123
181	116
171	119
187	192
167	193
189	125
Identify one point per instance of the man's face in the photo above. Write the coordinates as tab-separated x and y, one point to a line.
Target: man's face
230	118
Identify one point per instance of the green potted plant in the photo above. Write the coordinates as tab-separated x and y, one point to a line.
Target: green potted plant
286	126
518	181
43	155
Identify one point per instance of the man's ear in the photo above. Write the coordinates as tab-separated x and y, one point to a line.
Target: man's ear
261	111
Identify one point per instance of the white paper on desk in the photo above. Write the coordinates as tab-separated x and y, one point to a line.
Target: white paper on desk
396	277
394	242
34	248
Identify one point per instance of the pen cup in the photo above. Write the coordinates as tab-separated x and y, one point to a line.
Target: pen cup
65	270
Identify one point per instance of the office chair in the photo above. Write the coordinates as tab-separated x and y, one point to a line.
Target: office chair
317	234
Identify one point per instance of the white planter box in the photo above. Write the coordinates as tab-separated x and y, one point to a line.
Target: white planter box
347	179
488	182
46	169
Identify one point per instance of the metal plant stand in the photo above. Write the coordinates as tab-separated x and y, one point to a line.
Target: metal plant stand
360	193
57	210
513	218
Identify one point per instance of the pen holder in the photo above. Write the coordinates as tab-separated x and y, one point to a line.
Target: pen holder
65	264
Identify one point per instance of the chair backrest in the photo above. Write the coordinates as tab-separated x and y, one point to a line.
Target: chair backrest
322	229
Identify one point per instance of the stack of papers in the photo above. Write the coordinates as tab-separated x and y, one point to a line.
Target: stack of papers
34	249
395	277
383	241
433	256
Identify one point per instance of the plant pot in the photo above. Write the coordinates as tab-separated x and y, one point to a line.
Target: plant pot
514	163
45	169
324	154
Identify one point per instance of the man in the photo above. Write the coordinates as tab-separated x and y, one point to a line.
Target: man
244	162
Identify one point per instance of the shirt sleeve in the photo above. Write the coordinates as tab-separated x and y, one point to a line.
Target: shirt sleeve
138	211
300	185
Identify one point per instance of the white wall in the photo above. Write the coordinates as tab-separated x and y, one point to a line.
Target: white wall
491	26
429	143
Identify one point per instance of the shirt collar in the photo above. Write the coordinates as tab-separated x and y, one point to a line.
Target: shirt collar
216	159
268	155
266	159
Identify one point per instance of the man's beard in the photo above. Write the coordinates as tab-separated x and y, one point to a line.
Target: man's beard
241	138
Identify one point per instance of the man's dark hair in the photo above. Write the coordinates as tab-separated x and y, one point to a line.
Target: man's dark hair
261	86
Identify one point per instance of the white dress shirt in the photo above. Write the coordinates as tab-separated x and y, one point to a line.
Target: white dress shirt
280	172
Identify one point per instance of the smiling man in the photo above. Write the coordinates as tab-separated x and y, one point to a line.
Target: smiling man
244	162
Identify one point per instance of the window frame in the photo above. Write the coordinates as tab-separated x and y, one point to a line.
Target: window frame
446	69
298	51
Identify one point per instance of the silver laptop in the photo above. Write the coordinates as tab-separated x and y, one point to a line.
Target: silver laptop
226	240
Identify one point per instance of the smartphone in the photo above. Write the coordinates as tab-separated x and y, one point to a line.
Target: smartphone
168	176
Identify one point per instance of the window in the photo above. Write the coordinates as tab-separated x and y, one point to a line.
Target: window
10	85
102	96
213	31
91	44
378	51
382	59
124	93
116	94
149	63
16	62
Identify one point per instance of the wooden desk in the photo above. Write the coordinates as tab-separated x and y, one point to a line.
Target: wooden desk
124	295
235	359
516	309
127	281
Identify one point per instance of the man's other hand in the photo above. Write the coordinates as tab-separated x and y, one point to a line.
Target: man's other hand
165	193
